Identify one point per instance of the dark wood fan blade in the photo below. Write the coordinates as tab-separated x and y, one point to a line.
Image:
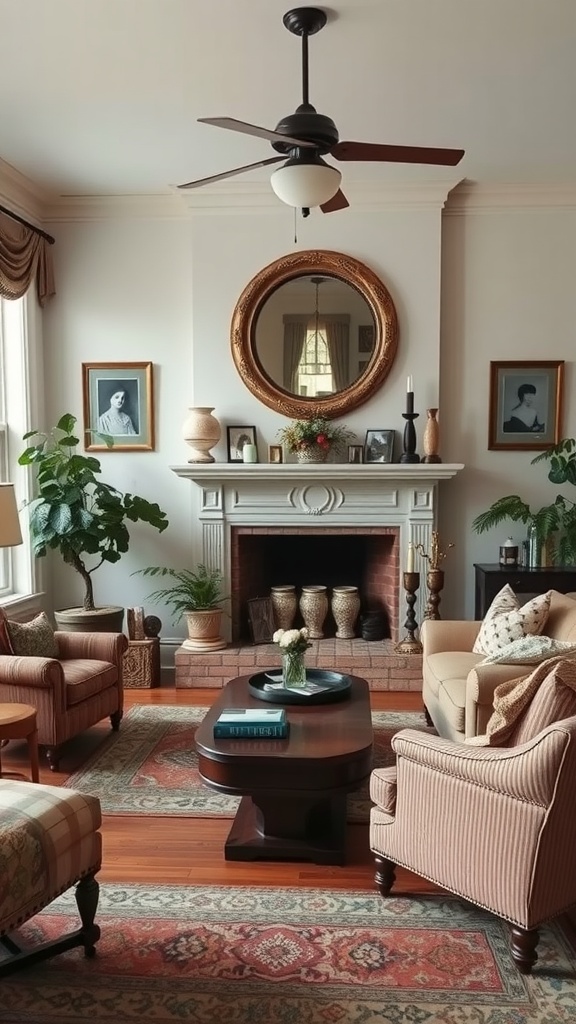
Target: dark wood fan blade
338	202
396	154
252	129
230	174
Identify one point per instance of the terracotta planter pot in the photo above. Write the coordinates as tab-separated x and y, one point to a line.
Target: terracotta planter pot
204	630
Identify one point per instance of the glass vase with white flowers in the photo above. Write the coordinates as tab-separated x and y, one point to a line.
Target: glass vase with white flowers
292	643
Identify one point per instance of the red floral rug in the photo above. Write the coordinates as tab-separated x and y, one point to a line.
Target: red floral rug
288	956
150	766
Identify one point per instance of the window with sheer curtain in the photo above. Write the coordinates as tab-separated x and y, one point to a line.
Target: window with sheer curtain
18	403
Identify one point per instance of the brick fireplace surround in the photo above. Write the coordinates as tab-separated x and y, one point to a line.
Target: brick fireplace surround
243	513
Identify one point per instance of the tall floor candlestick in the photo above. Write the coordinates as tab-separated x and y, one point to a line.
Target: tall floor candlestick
435	583
409	645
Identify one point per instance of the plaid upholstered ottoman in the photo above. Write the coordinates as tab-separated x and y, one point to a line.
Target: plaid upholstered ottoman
49	841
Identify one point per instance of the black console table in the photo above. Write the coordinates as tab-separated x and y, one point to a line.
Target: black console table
491	578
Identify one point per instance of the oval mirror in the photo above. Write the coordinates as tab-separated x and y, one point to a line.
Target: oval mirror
314	333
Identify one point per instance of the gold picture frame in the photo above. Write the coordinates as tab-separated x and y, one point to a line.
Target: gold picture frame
526	398
129	422
275	453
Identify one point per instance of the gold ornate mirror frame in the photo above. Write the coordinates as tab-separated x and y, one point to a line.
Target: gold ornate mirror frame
258	290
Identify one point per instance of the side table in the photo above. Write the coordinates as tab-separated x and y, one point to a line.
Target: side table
141	664
491	578
18	722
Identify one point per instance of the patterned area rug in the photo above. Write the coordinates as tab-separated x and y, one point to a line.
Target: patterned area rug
150	766
281	956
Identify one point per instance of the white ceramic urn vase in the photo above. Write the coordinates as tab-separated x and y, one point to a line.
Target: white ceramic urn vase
201	430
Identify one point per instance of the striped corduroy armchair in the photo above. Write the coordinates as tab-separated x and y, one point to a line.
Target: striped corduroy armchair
495	825
72	692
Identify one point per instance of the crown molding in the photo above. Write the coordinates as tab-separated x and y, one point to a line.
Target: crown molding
455	197
243	198
155	206
476	197
21	194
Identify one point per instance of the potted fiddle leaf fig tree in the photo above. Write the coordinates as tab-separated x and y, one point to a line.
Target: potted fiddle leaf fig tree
81	517
556	521
197	595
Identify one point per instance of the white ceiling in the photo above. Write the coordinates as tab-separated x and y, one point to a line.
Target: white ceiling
102	97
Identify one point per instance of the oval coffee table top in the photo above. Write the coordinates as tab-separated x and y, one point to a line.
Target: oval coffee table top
329	745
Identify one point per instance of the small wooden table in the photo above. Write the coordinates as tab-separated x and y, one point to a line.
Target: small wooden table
17	722
294	790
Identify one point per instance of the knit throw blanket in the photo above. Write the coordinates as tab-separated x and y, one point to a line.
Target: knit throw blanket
513	697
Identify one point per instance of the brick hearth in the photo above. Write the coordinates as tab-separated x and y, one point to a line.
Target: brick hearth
375	661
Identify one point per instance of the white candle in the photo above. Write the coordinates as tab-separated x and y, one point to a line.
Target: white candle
410	558
409	384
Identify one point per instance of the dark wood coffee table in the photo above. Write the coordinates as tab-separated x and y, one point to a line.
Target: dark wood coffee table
294	790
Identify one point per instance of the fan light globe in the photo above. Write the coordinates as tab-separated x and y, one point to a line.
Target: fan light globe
305	184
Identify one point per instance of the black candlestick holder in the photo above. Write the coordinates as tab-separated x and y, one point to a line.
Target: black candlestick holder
409	645
409	453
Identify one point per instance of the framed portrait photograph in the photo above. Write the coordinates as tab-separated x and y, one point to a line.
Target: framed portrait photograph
355	453
237	438
118	400
379	445
525	404
275	453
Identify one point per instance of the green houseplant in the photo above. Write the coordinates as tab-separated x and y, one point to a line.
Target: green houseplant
195	594
556	520
313	439
75	512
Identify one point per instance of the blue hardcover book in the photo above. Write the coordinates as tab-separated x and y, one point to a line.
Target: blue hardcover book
277	731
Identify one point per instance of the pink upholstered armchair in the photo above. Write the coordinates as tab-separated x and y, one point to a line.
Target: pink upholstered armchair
496	825
72	692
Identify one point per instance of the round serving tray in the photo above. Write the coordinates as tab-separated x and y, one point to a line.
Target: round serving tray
324	687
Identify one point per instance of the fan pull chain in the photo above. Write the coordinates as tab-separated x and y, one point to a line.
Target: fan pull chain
295	226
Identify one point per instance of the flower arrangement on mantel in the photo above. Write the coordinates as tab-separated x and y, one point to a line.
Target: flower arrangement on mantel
313	439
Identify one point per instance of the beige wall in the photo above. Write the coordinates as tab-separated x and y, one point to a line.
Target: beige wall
491	278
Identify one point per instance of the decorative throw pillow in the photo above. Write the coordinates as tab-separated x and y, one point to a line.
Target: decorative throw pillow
531	650
506	620
5	645
35	638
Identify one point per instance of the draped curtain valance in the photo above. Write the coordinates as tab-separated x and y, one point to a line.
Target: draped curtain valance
24	258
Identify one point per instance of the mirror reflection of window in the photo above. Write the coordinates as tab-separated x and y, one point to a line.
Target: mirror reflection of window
314	375
284	325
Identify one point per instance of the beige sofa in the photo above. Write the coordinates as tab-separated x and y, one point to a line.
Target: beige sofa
457	690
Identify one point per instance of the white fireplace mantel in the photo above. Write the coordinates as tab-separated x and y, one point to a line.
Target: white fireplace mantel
429	474
232	494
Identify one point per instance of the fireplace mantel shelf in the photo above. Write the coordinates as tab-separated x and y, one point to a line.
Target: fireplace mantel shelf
315	472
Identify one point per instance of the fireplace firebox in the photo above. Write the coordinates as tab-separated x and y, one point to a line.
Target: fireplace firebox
266	556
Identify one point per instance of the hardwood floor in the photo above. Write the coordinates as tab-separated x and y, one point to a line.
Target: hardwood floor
190	851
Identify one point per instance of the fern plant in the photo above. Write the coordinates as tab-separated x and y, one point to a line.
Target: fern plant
556	520
197	590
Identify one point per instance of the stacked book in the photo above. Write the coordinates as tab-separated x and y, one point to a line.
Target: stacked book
251	723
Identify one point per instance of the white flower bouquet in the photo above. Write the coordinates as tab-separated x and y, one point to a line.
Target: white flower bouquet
292	641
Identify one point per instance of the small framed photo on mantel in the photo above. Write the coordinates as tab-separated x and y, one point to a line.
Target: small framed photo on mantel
525	404
379	446
238	437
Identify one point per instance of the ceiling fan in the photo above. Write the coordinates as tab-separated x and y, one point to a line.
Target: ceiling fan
305	136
